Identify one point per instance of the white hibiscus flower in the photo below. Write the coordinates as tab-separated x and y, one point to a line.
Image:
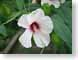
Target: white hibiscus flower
56	3
37	25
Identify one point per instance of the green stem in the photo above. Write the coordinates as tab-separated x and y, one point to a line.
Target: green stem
17	14
42	50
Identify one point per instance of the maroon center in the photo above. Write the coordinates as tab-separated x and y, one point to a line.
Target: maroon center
34	26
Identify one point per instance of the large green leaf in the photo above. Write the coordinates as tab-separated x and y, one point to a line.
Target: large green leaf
62	29
68	15
63	23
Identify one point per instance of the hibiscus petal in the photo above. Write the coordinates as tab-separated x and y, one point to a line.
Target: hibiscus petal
62	1
38	13
44	2
35	15
46	24
25	39
56	3
22	22
41	39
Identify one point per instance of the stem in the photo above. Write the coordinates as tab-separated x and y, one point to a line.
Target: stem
10	45
12	18
42	50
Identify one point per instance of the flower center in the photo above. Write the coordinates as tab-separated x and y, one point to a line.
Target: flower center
34	27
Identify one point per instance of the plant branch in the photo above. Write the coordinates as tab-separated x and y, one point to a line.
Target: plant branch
42	50
10	45
14	17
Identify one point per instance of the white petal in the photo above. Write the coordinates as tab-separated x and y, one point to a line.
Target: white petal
46	25
56	3
35	15
22	22
25	39
62	1
41	39
38	13
44	2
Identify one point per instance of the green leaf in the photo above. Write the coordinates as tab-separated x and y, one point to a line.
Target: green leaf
2	18
20	4
63	23
46	9
68	15
56	39
5	10
62	30
3	30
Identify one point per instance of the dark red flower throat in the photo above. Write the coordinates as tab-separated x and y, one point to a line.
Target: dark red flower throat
34	26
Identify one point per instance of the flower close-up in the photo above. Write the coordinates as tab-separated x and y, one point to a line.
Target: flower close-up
36	25
55	3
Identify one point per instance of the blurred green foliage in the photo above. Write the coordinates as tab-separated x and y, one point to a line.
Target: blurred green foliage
61	37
